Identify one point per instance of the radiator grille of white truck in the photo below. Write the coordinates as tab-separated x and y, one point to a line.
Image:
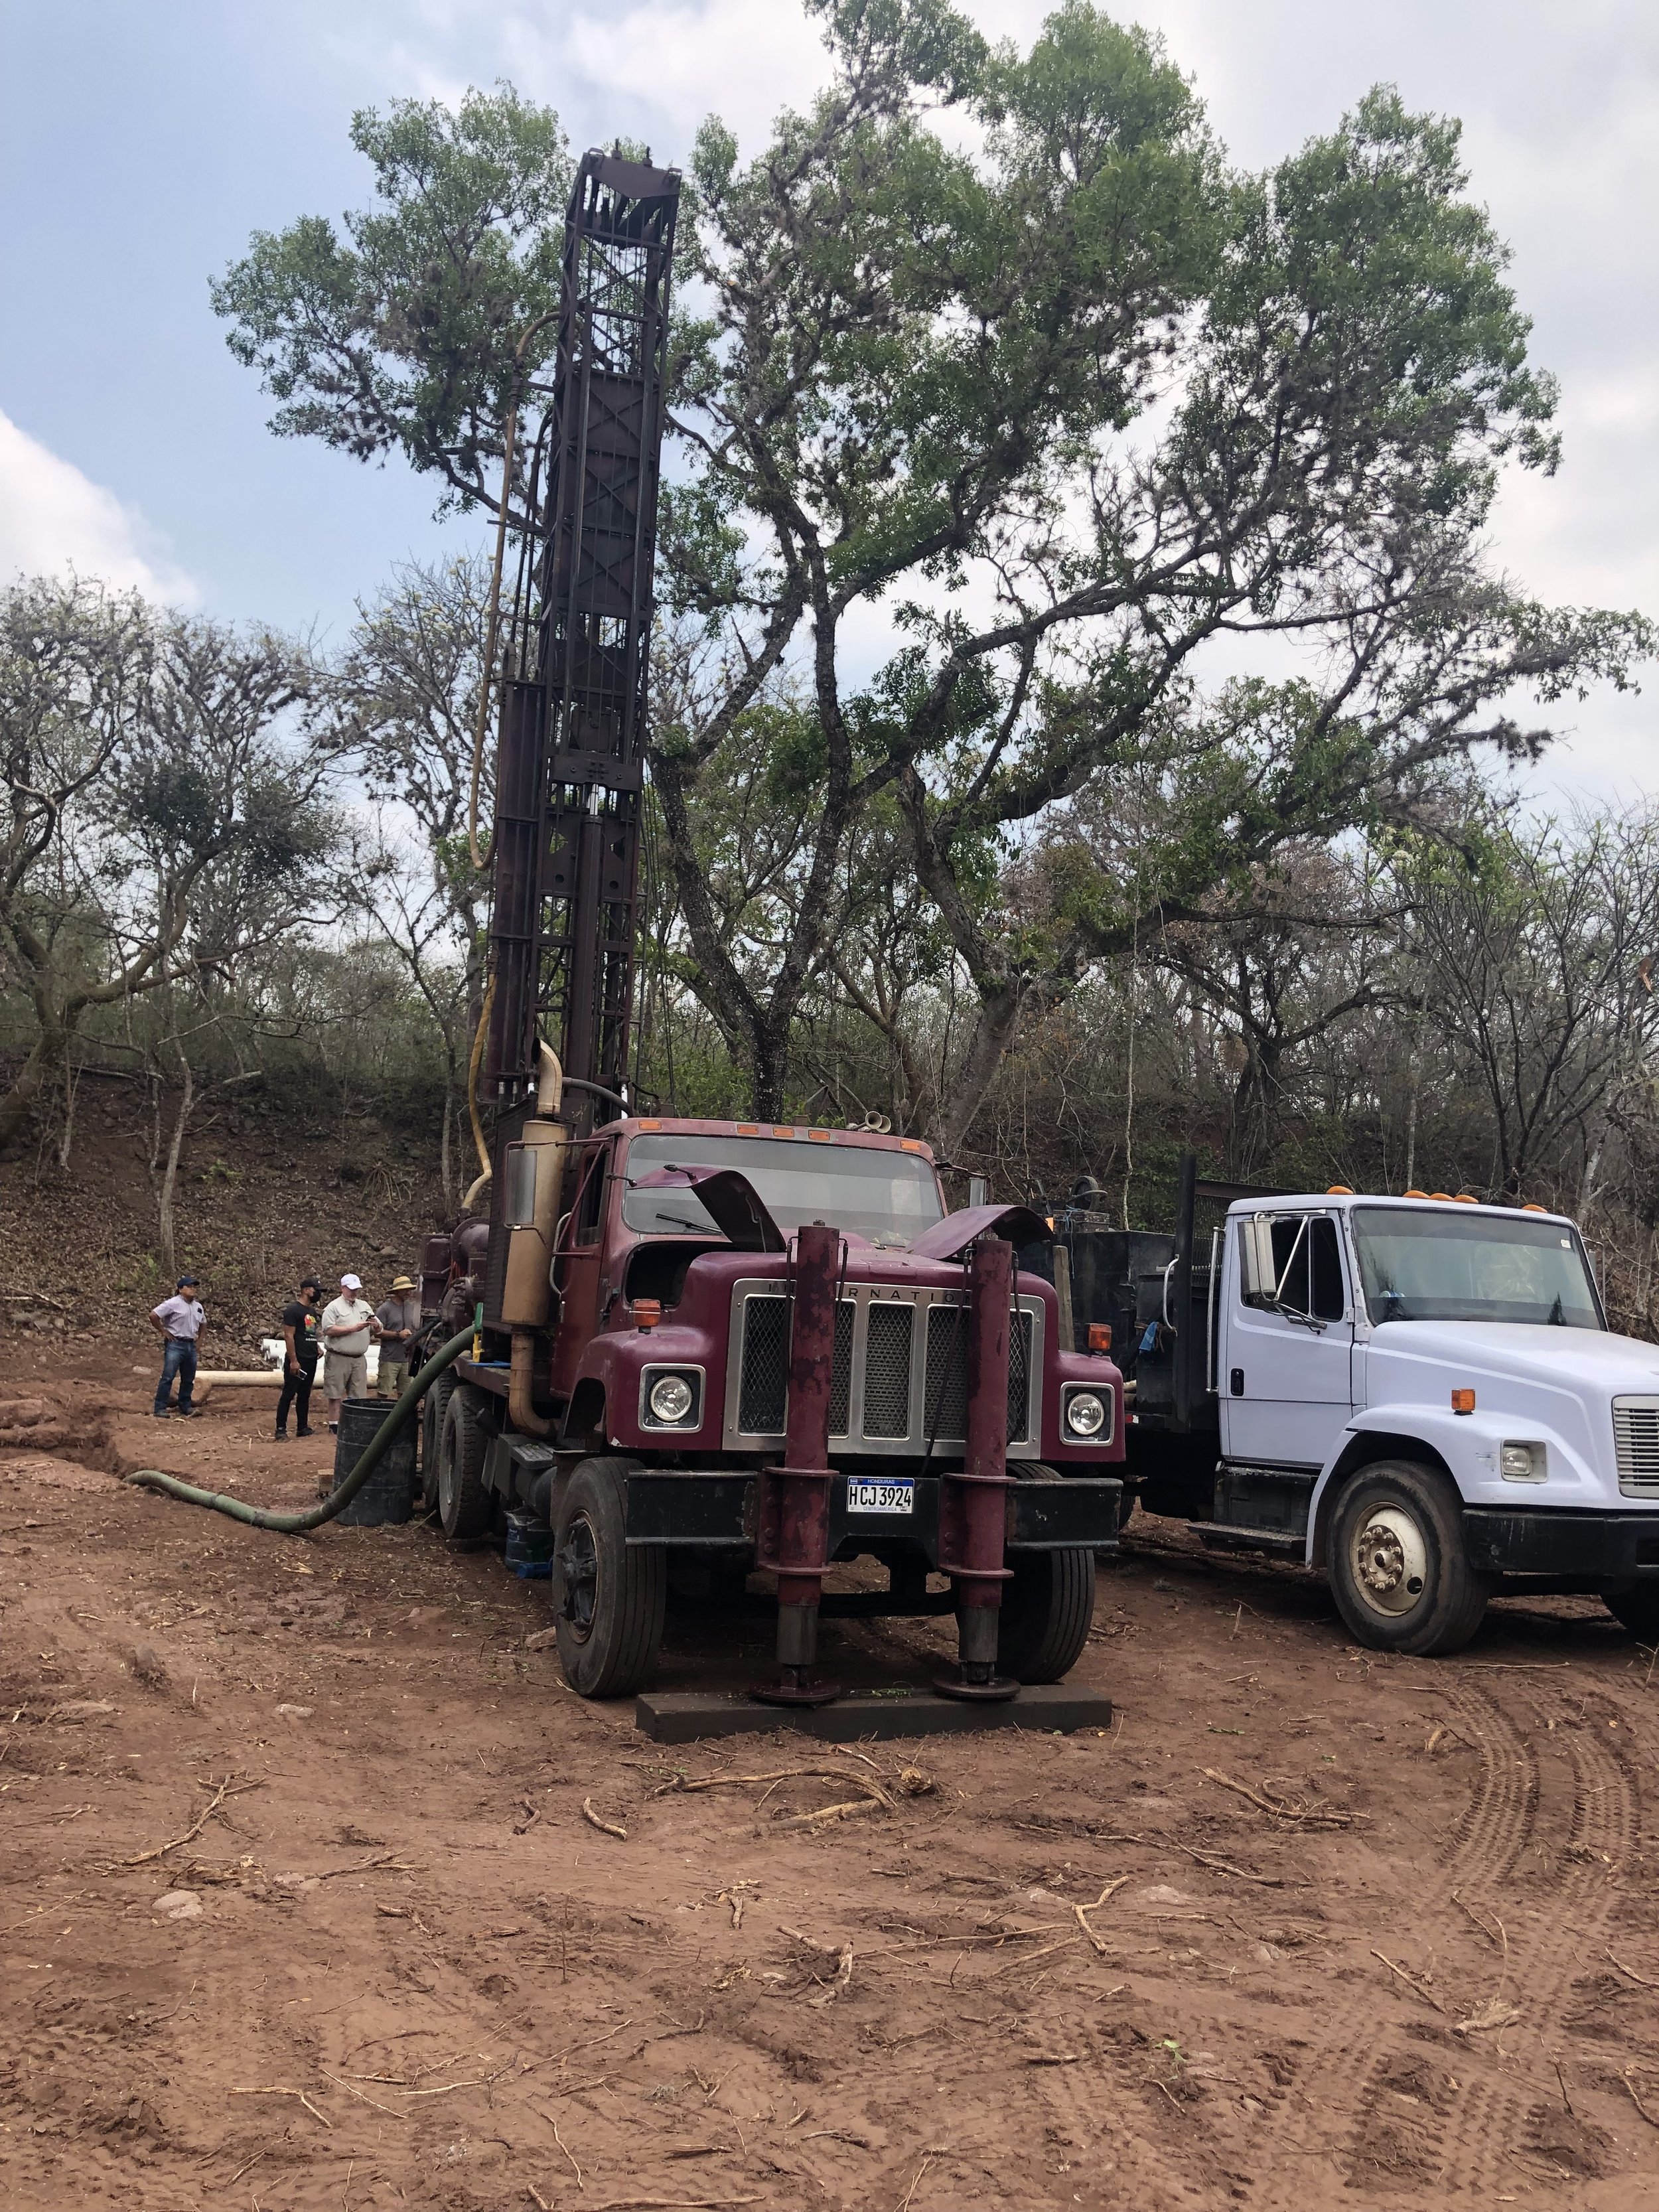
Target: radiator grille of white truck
1636	1440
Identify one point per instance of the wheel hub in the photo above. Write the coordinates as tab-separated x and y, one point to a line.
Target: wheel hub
579	1579
1390	1560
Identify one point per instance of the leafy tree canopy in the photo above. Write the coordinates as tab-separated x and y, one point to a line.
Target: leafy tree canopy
1096	413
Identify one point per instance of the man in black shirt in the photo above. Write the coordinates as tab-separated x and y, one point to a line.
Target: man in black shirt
302	1340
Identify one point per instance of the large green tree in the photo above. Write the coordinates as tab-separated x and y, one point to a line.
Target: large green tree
1088	418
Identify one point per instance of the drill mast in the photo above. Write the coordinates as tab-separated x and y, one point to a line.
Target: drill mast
569	765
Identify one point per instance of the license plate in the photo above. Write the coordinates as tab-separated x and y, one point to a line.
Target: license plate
881	1496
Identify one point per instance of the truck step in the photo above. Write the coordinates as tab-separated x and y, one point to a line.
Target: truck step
1223	1536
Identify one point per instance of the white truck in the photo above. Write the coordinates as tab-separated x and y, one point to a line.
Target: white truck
1419	1396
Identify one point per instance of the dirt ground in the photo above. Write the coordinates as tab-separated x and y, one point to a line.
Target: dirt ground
301	1905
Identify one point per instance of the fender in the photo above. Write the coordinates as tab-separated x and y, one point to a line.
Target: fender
1467	1445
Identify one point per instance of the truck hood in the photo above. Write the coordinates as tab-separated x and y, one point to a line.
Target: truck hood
1579	1360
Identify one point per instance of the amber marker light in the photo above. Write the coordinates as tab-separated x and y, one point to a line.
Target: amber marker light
1340	1190
1100	1336
650	1125
1462	1402
819	1136
1415	1193
1465	1197
648	1312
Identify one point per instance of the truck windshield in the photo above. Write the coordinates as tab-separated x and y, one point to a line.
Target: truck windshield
888	1196
1457	1265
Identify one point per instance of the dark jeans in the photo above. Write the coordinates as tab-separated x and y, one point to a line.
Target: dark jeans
296	1392
179	1359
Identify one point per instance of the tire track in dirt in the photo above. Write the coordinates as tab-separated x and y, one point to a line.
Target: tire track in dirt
1385	2137
1466	2140
1603	1834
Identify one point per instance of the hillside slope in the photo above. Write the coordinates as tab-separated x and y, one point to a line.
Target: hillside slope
265	1194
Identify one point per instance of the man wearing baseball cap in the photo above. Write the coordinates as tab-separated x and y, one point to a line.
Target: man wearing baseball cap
348	1324
397	1323
179	1320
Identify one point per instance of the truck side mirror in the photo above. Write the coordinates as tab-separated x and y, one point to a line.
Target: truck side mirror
1258	1276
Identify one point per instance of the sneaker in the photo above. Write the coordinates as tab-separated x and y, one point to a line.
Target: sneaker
281	1437
167	1416
303	1432
189	1413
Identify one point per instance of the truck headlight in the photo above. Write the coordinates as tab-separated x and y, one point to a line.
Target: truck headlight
1085	1414
672	1401
1521	1463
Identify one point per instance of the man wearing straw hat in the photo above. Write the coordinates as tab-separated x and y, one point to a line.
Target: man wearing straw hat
397	1323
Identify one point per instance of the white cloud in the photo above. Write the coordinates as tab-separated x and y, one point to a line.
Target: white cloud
52	517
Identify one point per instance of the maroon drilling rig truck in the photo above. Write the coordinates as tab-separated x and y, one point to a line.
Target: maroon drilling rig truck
709	1348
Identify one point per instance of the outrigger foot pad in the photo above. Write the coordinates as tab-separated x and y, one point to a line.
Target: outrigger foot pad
795	1692
995	1690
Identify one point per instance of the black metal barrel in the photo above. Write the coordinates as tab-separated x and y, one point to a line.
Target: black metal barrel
388	1495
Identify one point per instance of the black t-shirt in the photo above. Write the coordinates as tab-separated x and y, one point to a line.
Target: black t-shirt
306	1323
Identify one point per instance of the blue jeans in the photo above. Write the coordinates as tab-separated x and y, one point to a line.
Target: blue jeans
179	1359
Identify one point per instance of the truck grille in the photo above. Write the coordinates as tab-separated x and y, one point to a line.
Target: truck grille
1636	1442
947	1375
887	1370
900	1373
763	1392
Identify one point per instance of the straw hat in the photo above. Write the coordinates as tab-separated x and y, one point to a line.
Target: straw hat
402	1283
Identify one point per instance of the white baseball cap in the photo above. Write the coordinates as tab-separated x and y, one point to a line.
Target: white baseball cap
351	1282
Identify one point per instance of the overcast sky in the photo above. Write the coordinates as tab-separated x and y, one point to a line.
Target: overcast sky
139	146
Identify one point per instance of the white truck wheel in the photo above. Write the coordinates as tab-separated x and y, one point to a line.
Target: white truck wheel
1397	1567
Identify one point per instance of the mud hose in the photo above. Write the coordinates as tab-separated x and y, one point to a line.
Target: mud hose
298	1524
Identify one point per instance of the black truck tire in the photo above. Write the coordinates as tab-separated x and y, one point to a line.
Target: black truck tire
1635	1606
609	1597
464	1504
434	1406
1047	1608
1398	1570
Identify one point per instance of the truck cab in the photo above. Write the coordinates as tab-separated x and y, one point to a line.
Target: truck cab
1417	1395
637	1362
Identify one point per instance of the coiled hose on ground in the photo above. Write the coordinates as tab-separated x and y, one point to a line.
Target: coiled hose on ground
297	1524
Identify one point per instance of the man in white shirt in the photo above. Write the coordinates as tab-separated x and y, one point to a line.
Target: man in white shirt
179	1320
348	1325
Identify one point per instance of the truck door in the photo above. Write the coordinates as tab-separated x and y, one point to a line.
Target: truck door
1284	1355
578	1254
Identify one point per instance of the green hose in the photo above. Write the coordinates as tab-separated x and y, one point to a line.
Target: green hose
297	1524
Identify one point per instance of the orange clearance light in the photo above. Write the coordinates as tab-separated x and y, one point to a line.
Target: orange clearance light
1534	1209
1340	1190
1444	1196
1465	1197
1414	1193
648	1312
651	1125
819	1136
1462	1402
911	1145
748	1128
1100	1336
